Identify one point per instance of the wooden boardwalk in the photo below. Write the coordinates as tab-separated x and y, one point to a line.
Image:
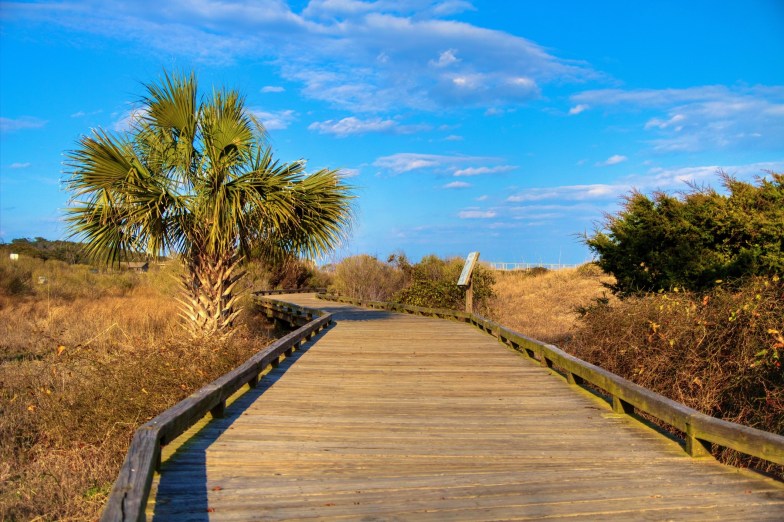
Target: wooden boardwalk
396	417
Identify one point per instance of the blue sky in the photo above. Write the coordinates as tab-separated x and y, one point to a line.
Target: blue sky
504	127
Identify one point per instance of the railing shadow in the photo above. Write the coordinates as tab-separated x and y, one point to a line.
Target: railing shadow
177	497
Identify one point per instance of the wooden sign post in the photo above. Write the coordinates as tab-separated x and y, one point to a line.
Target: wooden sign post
466	280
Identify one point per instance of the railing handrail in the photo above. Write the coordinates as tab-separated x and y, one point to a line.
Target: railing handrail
701	430
128	498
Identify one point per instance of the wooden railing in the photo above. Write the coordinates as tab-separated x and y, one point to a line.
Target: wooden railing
128	499
700	430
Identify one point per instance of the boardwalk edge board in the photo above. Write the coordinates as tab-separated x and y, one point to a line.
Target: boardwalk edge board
128	498
700	430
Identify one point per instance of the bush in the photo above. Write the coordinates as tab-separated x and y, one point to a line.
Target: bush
434	284
288	273
695	241
720	352
365	277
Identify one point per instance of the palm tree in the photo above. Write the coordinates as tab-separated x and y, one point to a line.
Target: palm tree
195	176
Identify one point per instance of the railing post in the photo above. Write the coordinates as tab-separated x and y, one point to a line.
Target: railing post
696	448
219	410
621	406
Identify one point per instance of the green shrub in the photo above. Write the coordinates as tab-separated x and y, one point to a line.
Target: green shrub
434	284
694	241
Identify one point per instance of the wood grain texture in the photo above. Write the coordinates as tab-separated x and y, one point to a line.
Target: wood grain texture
387	416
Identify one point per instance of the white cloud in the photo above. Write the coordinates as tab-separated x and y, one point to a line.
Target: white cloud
445	164
674	122
474	213
349	173
445	59
577	109
406	161
571	193
456	185
667	179
23	123
20	165
353	125
453	137
452	7
358	55
612	160
275	120
476	171
701	118
272	88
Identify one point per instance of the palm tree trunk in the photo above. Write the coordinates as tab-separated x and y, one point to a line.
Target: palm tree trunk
209	305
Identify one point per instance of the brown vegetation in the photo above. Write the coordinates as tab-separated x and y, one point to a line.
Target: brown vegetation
85	357
720	353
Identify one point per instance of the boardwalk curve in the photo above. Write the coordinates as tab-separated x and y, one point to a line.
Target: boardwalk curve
387	416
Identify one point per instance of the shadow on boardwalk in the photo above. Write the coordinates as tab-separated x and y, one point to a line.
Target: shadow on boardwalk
193	452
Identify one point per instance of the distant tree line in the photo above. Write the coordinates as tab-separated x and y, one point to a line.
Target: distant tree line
40	248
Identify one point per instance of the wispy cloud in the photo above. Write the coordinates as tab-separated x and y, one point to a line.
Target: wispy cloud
438	163
275	120
272	88
352	125
20	165
612	160
570	192
701	118
475	213
577	109
23	123
657	178
477	171
349	173
456	185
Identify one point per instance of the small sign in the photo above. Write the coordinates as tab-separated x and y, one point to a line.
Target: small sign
14	257
468	269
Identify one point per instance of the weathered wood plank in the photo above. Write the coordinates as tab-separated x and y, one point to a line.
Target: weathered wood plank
392	416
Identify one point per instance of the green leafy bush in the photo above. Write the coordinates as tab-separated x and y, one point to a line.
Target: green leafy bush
696	240
433	284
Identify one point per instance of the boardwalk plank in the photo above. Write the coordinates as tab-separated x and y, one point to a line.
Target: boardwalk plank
396	417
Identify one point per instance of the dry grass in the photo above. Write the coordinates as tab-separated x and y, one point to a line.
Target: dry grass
85	358
542	304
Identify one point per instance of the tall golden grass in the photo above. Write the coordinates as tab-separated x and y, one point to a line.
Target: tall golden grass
543	303
86	357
